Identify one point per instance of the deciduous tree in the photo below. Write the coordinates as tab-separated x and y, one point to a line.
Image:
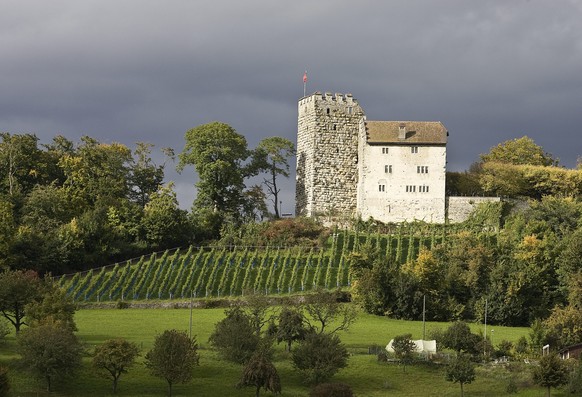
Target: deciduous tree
326	314
291	326
235	336
114	357
17	289
173	357
460	370
551	372
404	349
259	372
320	356
274	153
50	351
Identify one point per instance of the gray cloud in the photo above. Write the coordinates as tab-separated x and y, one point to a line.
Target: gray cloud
147	70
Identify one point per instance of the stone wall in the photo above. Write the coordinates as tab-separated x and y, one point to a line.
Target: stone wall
459	208
327	154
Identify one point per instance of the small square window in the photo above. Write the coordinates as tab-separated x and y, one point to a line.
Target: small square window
381	188
384	150
414	149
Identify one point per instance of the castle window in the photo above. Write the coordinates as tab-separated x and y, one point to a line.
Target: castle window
422	169
410	188
423	189
388	169
327	110
414	149
334	127
350	110
381	188
384	150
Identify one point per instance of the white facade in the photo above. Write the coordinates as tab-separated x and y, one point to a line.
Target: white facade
400	183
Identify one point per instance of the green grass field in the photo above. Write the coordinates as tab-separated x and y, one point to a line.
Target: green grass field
217	378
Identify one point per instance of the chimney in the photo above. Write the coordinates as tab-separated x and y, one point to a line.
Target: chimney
402	132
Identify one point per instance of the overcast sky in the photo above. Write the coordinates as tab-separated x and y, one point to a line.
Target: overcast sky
139	70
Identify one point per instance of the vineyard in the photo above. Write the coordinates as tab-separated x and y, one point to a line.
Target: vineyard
229	271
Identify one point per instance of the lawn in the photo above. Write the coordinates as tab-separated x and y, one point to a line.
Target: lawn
217	378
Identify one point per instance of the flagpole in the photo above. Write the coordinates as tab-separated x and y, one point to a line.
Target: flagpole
304	83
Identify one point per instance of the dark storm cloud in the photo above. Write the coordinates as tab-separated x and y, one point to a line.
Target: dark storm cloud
147	71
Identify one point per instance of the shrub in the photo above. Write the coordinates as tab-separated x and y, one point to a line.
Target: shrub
331	390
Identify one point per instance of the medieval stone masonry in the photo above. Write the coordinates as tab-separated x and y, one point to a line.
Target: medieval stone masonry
347	166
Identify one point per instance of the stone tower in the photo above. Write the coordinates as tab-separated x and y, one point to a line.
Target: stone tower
327	154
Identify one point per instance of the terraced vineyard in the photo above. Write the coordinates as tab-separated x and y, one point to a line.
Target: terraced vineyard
228	271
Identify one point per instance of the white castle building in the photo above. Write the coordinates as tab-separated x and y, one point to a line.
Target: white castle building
348	166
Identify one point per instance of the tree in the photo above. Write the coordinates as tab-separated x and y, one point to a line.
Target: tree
145	176
20	168
260	372
173	357
291	327
274	154
55	305
324	311
551	372
217	153
459	338
17	289
519	151
404	349
164	223
114	357
50	351
235	337
320	356
460	370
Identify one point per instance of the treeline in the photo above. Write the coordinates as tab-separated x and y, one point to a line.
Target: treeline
68	206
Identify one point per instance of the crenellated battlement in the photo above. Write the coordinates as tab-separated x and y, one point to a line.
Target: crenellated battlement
329	97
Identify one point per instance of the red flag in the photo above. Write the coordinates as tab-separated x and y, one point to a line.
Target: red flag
305	77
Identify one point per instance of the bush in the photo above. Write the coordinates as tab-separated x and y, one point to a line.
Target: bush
4	329
331	390
319	357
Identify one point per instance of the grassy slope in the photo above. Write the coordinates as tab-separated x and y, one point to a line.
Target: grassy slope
216	378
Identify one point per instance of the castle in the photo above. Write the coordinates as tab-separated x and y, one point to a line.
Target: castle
391	171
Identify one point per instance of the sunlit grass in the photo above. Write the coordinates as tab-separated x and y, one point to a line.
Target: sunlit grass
215	377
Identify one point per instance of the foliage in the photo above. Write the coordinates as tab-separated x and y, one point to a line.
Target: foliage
335	389
17	289
114	357
173	357
291	326
519	151
235	337
404	349
320	356
460	370
564	326
325	311
272	155
260	372
551	372
50	351
459	338
54	306
217	152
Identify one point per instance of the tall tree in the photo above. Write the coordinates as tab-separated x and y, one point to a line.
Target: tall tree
50	351
114	357
146	177
173	357
217	153
274	154
519	151
20	168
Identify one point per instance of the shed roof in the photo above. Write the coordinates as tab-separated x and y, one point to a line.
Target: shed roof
417	132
